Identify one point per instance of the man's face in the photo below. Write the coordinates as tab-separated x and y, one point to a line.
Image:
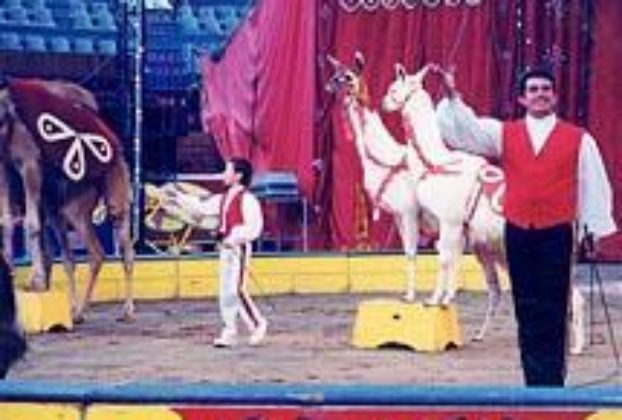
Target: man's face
538	98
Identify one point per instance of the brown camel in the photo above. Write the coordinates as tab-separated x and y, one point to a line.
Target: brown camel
62	181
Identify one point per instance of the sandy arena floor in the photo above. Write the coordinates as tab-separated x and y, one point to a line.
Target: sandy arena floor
308	342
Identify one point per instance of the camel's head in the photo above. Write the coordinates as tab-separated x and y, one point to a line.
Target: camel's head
404	88
348	79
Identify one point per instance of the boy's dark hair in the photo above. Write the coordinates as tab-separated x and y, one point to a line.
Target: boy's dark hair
530	73
245	168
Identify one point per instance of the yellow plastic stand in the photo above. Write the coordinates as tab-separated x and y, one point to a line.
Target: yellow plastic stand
384	323
44	311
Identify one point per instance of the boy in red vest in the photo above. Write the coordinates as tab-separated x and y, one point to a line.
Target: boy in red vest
241	222
554	177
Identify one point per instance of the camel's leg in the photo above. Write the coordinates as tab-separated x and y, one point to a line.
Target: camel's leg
118	197
7	218
409	233
123	235
31	175
486	258
61	229
449	246
84	227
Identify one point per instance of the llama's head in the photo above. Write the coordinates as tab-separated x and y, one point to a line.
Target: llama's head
404	88
348	79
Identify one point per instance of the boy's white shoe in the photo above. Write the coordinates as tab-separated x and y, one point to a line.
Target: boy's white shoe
259	333
227	338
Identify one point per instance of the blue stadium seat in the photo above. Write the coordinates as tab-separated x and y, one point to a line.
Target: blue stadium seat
42	16
225	12
190	26
81	20
188	22
211	25
83	45
33	4
12	3
17	15
227	17
34	42
98	7
103	20
59	44
10	41
106	46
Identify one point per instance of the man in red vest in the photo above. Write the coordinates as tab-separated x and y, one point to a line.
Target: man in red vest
554	177
241	222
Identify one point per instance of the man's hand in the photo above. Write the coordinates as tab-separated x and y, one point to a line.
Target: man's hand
448	80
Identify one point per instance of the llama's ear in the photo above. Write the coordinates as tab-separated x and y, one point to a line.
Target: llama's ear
359	61
400	71
333	61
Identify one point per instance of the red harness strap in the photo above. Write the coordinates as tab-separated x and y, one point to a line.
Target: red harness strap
393	169
430	168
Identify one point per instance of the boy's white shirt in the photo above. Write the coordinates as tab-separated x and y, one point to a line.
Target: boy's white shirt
464	130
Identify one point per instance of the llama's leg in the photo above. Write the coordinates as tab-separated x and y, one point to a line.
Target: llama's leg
31	174
486	258
577	324
449	247
409	233
123	235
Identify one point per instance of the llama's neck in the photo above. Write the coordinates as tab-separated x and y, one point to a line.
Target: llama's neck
373	140
421	123
356	116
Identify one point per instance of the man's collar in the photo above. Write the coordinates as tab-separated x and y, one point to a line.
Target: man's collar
549	119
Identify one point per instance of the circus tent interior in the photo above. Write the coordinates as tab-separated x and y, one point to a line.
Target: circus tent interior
222	78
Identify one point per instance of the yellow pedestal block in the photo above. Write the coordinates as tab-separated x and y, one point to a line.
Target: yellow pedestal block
388	322
44	311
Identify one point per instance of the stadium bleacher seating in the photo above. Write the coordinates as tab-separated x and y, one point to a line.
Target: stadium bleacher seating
174	36
92	42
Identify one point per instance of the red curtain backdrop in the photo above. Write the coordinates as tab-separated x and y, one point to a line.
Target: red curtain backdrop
265	99
605	103
259	98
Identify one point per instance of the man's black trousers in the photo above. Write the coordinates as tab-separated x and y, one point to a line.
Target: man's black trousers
539	263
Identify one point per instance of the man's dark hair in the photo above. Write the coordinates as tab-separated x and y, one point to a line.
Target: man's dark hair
245	168
536	72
